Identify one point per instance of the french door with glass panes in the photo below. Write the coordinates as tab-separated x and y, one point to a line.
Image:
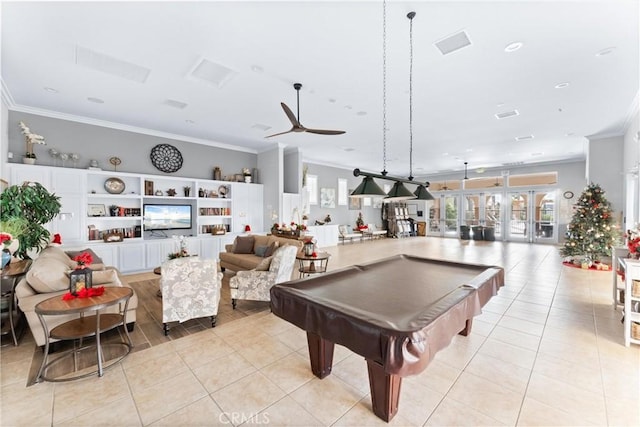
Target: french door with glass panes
484	211
532	216
443	216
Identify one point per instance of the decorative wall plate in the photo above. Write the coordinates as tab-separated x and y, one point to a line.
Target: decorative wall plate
114	185
568	194
166	158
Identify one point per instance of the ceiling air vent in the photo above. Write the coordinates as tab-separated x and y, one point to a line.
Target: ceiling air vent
260	126
214	74
110	65
452	43
507	114
524	138
175	104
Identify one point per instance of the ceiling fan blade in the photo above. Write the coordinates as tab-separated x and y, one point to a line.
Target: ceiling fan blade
290	115
325	131
281	133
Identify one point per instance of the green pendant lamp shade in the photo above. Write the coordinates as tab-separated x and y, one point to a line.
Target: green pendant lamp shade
368	188
422	193
399	192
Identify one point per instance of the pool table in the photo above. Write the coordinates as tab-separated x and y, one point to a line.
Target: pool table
396	312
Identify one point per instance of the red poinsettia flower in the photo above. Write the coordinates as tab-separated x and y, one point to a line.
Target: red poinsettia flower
83	259
314	254
5	238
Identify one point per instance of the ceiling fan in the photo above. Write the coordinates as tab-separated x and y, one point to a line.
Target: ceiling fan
295	121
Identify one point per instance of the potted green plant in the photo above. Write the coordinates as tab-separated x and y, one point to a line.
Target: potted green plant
37	206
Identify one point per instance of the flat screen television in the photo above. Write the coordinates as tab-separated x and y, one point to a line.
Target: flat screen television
166	217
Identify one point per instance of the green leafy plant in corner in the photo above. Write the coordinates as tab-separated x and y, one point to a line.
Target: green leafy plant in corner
35	204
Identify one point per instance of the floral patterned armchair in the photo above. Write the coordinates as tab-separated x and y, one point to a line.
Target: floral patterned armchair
255	285
190	289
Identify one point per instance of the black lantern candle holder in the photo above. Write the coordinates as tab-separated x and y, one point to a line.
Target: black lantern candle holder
80	279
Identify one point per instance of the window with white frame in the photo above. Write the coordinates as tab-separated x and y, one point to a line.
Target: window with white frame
342	192
312	189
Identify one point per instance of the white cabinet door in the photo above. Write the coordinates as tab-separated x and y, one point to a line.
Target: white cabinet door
108	253
68	181
70	222
22	173
209	248
157	253
256	214
240	207
131	257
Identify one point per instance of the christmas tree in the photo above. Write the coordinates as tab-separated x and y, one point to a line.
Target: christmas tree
590	233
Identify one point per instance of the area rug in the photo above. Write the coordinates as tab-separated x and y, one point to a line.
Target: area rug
148	330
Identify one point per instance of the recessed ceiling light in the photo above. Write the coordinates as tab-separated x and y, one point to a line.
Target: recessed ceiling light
501	104
189	121
332	100
348	107
257	69
50	89
536	154
512	47
348	149
569	134
95	100
561	85
361	113
606	51
468	150
445	154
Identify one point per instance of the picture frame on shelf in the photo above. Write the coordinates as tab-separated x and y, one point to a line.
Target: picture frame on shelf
148	188
96	210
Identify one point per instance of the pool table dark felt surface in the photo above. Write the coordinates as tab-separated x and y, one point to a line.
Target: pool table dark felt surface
398	311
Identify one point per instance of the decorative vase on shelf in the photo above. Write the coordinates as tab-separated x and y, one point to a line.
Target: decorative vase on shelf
6	257
247	179
29	160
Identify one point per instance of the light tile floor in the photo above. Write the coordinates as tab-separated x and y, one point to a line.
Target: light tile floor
548	350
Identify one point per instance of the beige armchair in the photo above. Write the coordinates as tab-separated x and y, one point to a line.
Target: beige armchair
255	284
190	289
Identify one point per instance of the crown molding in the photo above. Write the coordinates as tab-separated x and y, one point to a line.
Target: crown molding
127	128
631	113
7	99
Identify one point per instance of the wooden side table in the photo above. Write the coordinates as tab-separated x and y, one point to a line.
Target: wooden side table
309	265
83	327
11	275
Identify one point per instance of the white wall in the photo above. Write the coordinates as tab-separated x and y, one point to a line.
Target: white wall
603	167
271	176
631	169
4	140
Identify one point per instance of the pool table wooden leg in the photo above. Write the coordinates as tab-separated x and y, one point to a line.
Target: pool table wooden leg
320	355
385	391
467	328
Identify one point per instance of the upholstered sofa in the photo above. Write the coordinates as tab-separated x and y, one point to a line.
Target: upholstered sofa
248	252
48	277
